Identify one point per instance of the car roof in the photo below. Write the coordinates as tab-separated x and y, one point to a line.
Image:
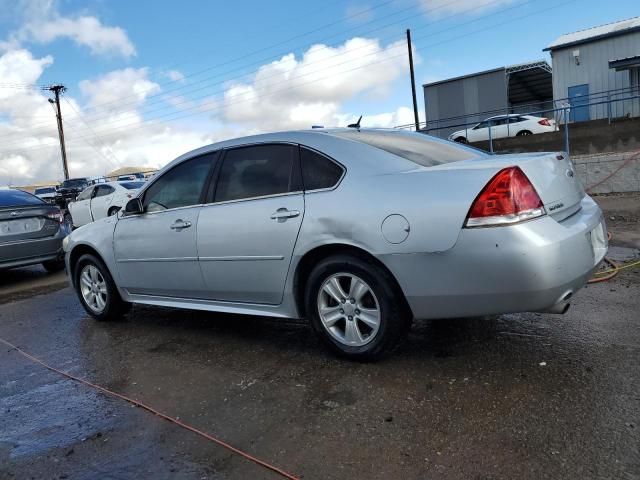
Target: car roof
343	150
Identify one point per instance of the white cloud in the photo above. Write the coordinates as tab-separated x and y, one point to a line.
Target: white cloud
292	92
86	31
297	93
175	75
42	23
438	8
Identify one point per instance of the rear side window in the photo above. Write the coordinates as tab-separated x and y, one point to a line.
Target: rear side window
17	198
104	190
86	194
179	187
318	171
257	171
419	148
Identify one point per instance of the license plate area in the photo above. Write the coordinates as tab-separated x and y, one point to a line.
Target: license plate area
21	226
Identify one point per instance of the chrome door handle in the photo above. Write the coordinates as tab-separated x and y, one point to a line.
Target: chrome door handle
179	225
282	214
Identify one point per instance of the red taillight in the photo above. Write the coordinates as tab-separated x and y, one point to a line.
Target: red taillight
544	122
509	197
57	216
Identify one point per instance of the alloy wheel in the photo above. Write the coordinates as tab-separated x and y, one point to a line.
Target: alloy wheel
93	288
349	310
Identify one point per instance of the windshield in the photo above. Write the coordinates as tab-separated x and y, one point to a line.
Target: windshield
74	183
132	185
416	147
40	191
16	198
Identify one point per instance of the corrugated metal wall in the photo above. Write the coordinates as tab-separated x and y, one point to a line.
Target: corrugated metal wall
594	70
455	98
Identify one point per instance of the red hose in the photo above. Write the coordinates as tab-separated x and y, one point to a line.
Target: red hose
155	412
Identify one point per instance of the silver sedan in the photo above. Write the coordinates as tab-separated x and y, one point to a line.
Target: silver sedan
359	231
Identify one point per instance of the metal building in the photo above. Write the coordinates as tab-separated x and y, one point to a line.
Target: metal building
453	103
595	65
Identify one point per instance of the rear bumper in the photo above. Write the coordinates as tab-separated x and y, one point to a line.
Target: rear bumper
31	252
531	266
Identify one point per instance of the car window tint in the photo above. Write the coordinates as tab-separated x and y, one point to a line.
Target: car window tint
85	194
256	171
318	171
419	148
179	187
480	125
104	190
16	198
132	185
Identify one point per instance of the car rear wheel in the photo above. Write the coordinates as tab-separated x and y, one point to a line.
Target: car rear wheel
356	308
523	133
96	289
112	211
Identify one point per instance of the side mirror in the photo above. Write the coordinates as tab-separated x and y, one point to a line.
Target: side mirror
134	207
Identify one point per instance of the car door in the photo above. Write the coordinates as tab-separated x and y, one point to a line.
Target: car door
155	251
101	201
247	234
81	208
498	128
479	132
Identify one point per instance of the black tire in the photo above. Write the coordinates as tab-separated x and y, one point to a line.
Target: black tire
395	317
523	133
461	140
115	307
112	211
53	266
68	221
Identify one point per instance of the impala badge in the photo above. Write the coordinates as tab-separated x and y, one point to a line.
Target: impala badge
570	173
556	206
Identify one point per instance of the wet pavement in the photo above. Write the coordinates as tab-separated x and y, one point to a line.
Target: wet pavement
518	396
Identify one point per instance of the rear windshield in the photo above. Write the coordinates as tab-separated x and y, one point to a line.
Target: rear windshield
74	183
40	191
17	198
132	185
416	147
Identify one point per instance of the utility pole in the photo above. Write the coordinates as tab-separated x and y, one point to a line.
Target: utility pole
413	82
57	90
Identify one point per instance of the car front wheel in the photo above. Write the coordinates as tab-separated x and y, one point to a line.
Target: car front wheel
356	308
96	289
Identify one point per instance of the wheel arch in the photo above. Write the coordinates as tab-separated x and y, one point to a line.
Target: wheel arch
78	251
319	253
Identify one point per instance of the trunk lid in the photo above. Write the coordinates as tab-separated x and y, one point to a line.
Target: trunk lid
27	223
552	175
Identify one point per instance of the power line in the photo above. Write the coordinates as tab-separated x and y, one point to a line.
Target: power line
376	62
197	107
94	133
221	83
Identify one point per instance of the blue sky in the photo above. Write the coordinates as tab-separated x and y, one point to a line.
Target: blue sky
177	64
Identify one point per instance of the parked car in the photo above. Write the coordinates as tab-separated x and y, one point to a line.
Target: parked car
69	190
360	231
504	126
48	194
31	231
101	200
127	178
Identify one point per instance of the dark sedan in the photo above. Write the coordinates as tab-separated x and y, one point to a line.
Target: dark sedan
31	231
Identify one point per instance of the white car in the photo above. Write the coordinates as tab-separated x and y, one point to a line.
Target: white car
503	126
47	194
101	200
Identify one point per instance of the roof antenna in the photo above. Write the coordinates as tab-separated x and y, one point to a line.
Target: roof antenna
355	125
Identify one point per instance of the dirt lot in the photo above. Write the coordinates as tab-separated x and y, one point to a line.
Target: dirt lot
525	396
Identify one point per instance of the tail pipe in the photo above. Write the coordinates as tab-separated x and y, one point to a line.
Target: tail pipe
562	306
